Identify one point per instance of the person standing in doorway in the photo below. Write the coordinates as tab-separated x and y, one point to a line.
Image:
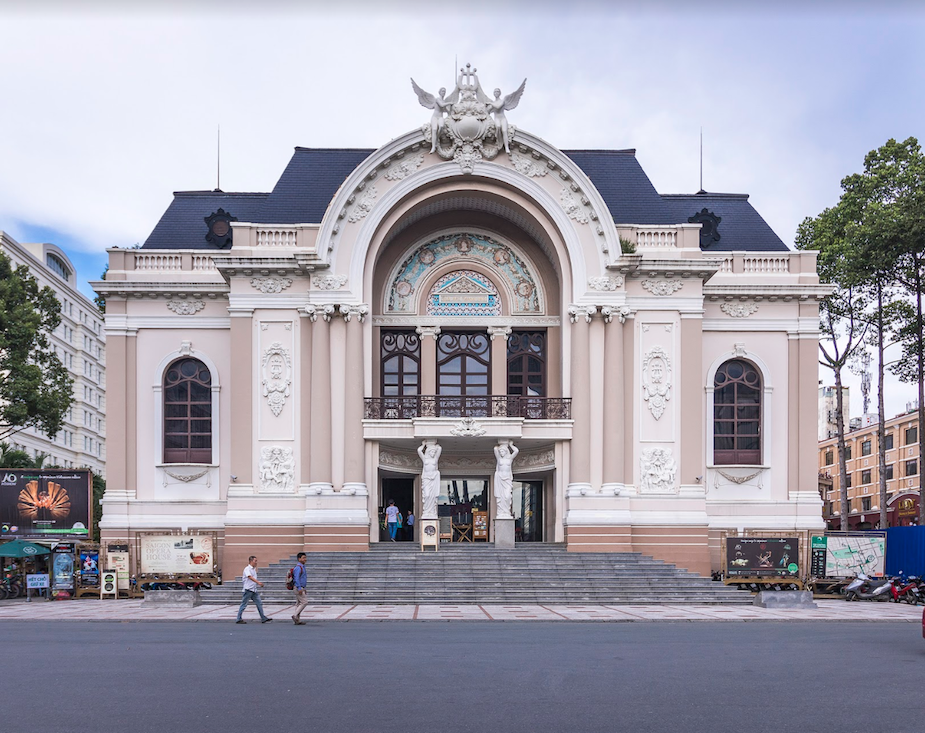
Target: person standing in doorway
299	581
409	526
391	518
250	591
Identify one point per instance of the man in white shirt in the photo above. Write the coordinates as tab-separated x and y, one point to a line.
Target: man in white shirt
250	591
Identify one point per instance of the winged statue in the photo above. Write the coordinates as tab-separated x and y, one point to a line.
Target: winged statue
498	107
438	104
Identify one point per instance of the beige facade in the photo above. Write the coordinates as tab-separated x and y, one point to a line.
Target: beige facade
903	468
295	323
80	343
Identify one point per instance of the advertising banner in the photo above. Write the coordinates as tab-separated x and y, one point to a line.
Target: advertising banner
45	502
763	556
177	554
62	573
847	556
90	568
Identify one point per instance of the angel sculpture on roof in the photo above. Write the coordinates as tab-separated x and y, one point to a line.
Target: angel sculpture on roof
438	104
498	107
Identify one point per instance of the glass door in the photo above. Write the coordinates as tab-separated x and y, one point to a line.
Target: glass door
462	509
528	511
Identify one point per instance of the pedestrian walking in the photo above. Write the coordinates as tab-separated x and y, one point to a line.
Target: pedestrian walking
409	526
391	517
299	581
250	591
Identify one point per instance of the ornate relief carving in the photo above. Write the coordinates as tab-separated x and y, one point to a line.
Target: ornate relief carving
277	469
359	310
463	293
581	311
186	348
467	427
404	168
572	207
656	380
658	471
185	307
542	459
528	166
364	206
662	287
395	459
329	281
738	477
277	377
607	283
185	477
270	284
739	310
738	349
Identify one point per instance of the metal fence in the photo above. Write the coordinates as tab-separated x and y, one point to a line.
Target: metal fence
405	408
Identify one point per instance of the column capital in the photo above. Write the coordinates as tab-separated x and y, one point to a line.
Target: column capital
499	332
432	331
327	311
581	311
348	310
311	312
622	312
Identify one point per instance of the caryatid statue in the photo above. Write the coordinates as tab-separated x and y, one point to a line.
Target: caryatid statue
505	453
429	451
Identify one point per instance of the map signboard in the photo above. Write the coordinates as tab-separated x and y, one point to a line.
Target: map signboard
848	555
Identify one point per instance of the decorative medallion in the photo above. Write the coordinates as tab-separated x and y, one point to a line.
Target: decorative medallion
468	427
220	232
662	287
607	283
404	288
572	207
468	126
185	307
656	381
404	168
709	229
528	166
739	310
277	377
329	281
426	257
277	469
658	470
270	285
364	206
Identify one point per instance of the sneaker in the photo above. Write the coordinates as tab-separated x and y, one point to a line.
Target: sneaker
265	620
240	621
300	623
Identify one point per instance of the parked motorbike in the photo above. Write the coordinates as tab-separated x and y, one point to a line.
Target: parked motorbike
908	590
864	588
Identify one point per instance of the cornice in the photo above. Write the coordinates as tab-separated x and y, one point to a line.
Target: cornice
764	291
156	290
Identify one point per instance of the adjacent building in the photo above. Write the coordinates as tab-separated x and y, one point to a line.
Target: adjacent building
80	343
284	364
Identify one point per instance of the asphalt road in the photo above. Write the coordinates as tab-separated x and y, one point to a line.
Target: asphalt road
457	676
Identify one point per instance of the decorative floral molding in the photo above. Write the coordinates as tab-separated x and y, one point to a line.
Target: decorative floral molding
364	206
467	427
656	380
658	471
277	377
573	208
739	310
662	287
739	479
393	459
329	281
534	461
185	307
404	168
528	166
270	284
186	478
277	469
606	283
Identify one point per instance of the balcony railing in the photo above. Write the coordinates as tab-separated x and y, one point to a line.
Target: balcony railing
530	408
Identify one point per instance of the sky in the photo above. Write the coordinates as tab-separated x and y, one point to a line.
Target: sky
109	107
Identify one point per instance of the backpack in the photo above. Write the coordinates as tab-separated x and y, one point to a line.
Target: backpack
290	580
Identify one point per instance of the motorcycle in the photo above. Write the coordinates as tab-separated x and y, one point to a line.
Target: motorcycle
908	591
864	588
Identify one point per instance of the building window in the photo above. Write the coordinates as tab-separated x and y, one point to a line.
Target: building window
912	435
865	476
737	414
463	364
865	448
912	467
848	452
401	363
526	364
57	266
888	442
865	504
848	482
889	472
187	412
829	458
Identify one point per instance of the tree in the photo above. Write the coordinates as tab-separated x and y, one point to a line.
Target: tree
35	388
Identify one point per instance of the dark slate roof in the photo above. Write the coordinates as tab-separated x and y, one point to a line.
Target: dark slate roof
313	176
741	228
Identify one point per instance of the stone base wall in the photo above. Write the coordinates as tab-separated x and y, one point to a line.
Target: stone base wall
684	547
269	544
336	539
599	539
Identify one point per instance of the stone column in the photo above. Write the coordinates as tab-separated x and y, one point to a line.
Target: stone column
241	388
499	336
354	444
614	413
304	396
692	407
428	336
117	445
320	473
580	464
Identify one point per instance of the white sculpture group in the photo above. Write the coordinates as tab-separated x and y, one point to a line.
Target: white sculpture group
461	126
505	453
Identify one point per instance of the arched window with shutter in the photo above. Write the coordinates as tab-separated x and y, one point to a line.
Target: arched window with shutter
737	393
187	412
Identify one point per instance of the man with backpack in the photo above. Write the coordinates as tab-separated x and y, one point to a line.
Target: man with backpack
296	581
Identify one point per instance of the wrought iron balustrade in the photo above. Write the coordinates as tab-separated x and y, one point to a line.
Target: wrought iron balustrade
407	407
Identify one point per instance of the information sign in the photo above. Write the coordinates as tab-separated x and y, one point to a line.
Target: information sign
763	556
36	580
177	554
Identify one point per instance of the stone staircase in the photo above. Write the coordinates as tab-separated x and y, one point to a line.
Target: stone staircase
399	573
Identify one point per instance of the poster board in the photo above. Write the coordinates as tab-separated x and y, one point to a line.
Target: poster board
46	503
118	561
759	557
480	525
172	554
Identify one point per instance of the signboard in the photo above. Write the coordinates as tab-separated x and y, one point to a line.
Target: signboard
90	568
818	555
118	561
45	502
849	555
763	556
62	574
177	554
36	580
108	584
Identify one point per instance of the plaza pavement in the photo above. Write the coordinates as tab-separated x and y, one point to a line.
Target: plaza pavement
135	610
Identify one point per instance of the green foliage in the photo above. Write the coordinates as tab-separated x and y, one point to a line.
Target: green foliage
626	246
13	458
99	488
35	388
99	299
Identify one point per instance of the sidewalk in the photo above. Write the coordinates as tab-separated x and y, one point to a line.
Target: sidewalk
134	610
